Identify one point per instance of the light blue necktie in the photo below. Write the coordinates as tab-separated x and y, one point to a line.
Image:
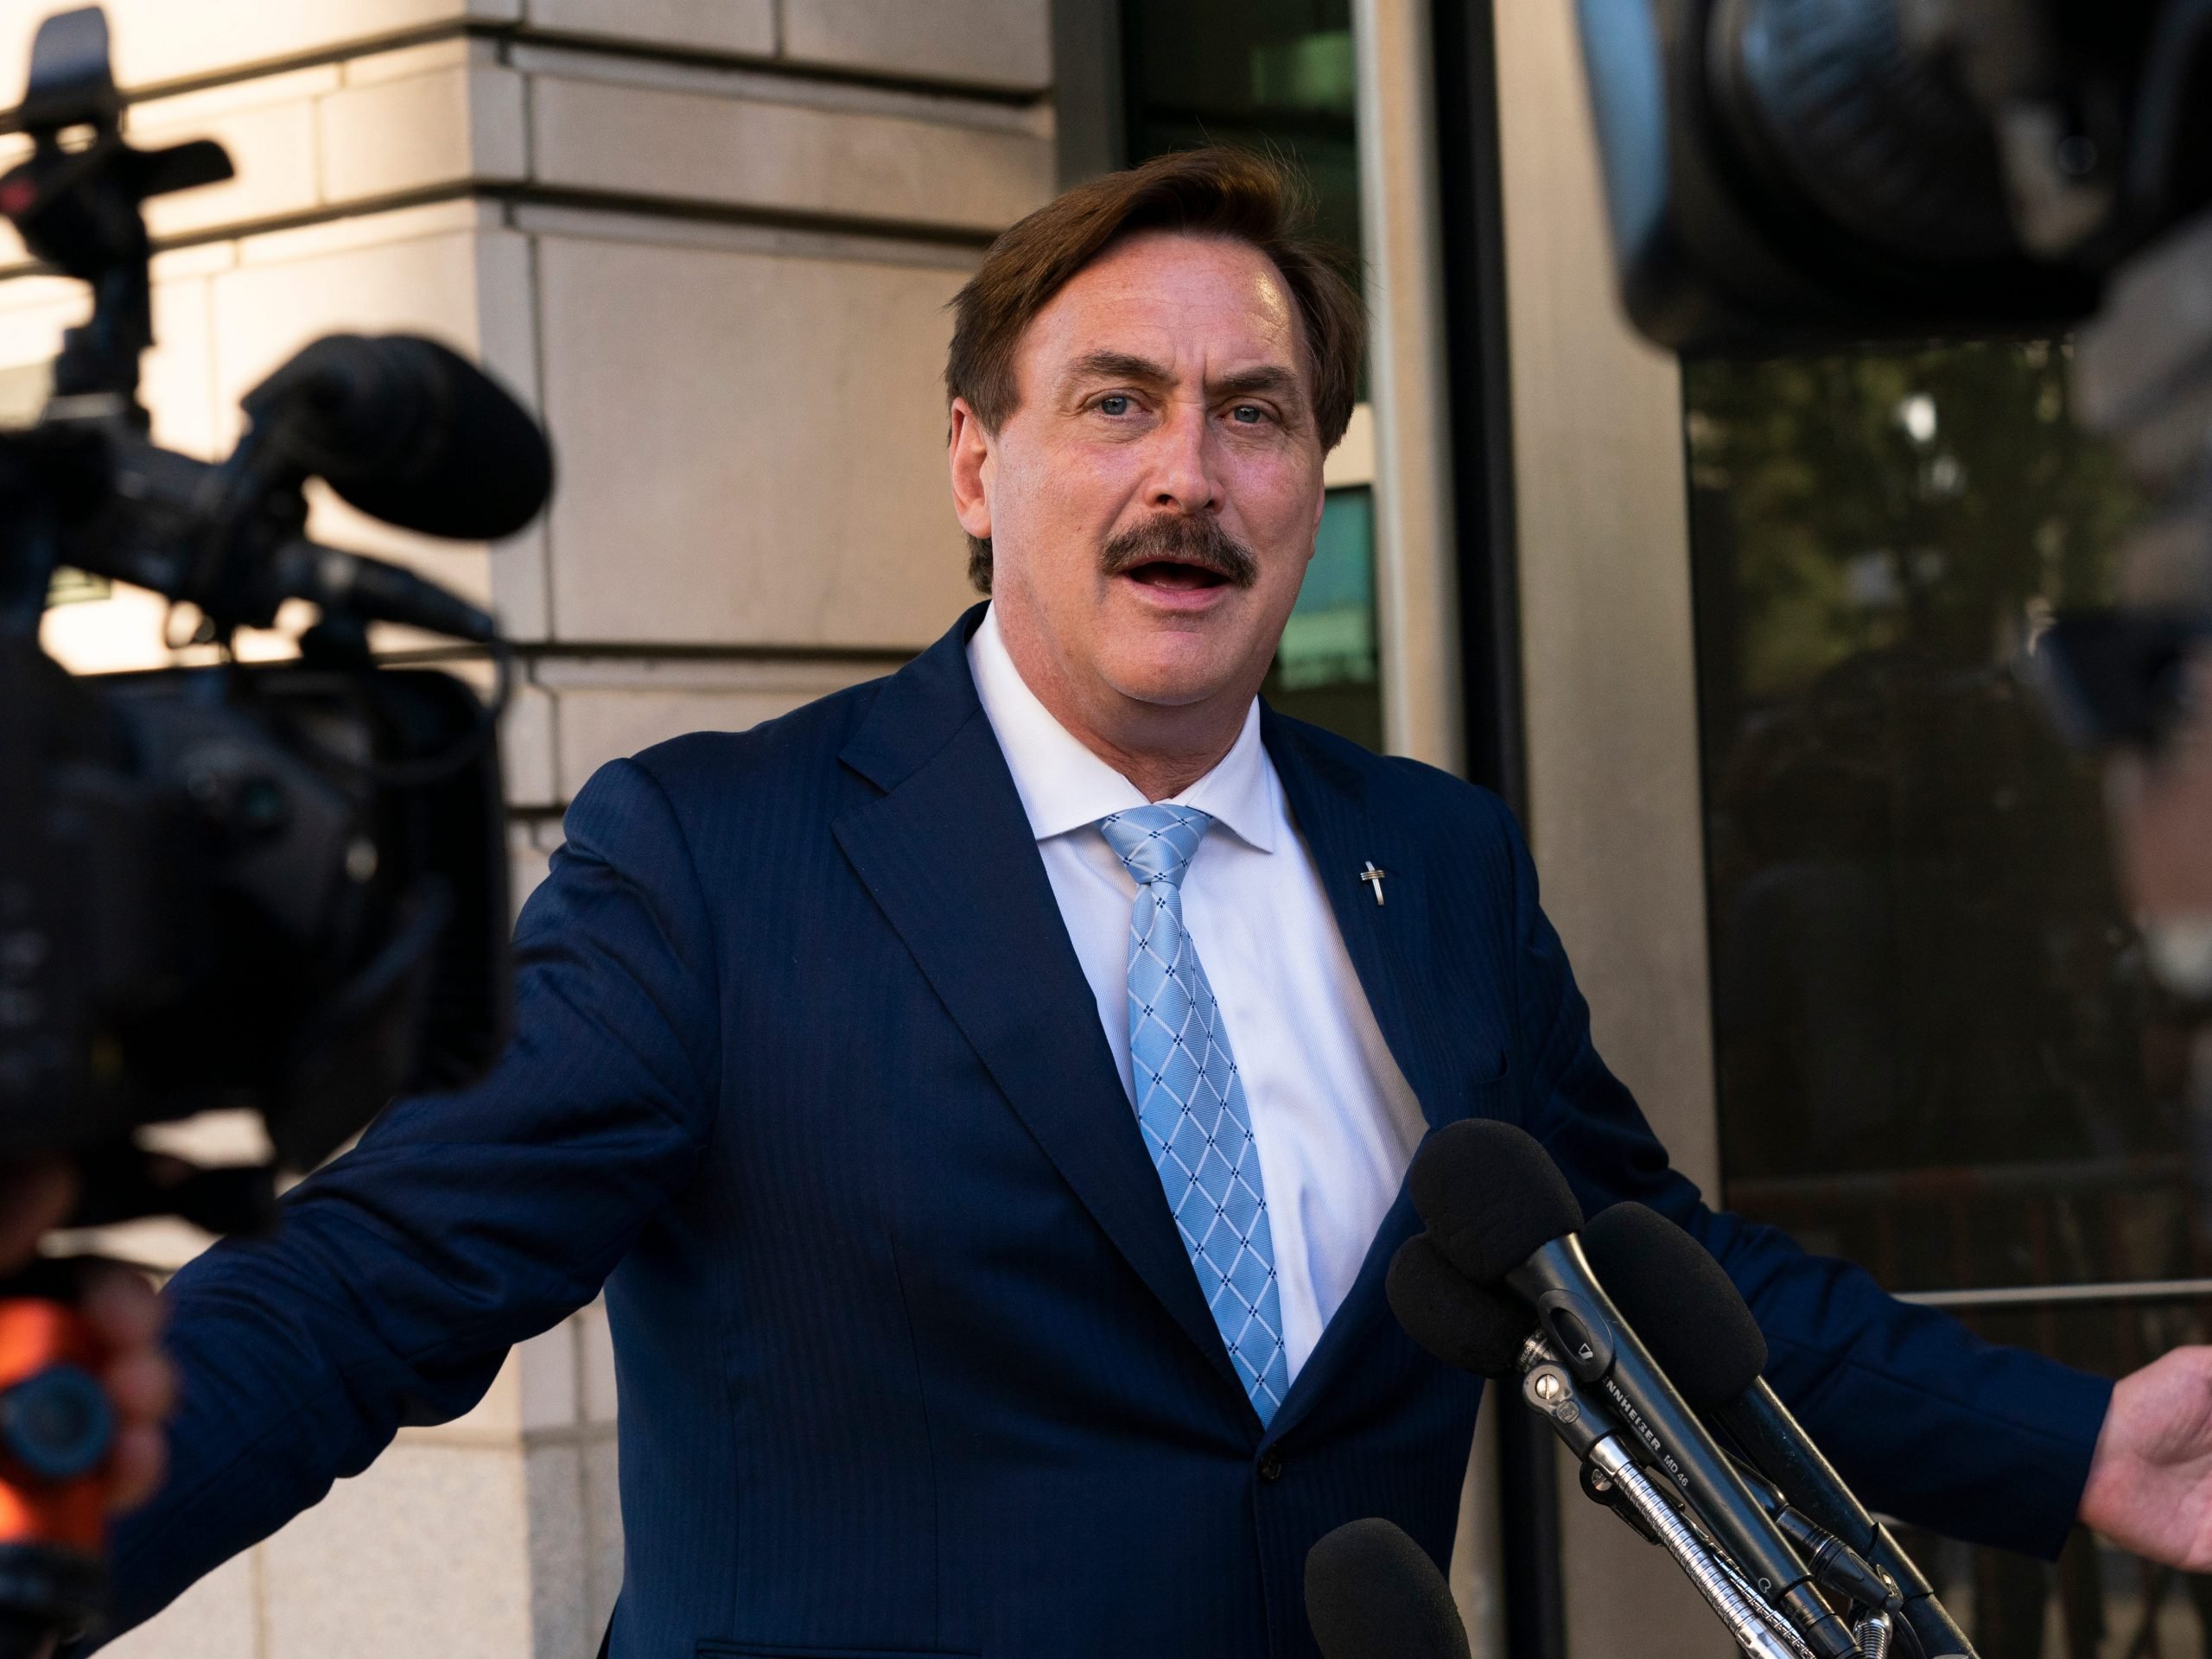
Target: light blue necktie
1191	1101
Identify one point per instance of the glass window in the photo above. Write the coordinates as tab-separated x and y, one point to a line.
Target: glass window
1325	670
1271	74
1278	75
1938	1051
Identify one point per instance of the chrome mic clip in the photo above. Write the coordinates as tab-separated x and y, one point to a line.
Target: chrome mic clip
1590	1433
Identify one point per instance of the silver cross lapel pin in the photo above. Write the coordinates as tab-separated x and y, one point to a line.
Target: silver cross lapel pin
1371	875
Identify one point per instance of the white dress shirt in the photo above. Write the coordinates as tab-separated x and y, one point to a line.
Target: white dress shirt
1335	1120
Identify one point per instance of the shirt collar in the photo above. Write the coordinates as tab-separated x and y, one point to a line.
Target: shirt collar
1063	786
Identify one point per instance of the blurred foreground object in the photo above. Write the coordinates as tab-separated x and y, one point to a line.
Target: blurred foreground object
1800	175
280	888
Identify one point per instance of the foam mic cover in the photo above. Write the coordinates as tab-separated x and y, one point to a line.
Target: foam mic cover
1371	1592
1491	1196
408	432
1476	1327
1679	1300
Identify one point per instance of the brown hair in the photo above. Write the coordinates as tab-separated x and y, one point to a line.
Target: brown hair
1217	191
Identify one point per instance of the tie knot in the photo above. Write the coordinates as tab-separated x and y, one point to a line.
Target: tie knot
1156	842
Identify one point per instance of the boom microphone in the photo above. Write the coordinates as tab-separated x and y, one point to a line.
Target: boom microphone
1499	1209
1696	1324
1371	1592
410	432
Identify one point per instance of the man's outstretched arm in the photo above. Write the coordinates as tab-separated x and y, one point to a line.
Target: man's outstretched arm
1928	1422
400	1275
2149	1484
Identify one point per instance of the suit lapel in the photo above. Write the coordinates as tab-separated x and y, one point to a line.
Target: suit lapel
947	854
1394	954
1389	944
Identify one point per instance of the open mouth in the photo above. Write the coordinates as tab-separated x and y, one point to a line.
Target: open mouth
1178	553
1175	574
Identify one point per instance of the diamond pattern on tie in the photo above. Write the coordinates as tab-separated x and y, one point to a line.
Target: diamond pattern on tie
1190	1102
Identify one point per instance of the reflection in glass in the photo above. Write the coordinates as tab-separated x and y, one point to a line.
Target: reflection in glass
1938	1051
1324	669
1271	74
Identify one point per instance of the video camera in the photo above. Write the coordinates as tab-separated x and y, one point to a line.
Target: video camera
1791	173
1795	175
1787	175
280	887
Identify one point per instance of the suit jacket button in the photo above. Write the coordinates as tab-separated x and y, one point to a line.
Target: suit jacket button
1271	1465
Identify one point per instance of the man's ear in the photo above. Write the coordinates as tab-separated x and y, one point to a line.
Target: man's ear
969	449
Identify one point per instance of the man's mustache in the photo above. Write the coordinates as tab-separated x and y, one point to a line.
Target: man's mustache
1186	539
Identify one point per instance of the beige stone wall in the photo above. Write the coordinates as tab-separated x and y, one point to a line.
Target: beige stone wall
711	242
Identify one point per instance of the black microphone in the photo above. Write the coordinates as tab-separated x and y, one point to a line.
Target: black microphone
372	589
1499	1210
1476	1327
1371	1592
1696	1325
410	432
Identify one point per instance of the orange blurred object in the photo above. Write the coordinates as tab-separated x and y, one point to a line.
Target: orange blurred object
48	1345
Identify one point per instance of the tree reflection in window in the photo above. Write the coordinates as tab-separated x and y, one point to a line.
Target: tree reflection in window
1938	1051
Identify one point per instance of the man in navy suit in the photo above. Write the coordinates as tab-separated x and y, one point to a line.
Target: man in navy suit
984	1095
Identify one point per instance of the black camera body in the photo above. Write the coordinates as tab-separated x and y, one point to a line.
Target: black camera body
209	899
280	886
1791	174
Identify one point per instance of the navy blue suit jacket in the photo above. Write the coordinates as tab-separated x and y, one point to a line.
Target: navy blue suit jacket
806	1074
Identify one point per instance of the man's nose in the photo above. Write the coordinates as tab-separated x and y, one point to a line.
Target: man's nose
1182	472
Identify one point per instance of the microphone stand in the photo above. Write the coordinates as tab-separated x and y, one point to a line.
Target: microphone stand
1615	1477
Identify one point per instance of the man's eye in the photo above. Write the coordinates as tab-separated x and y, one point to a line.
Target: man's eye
1113	402
1248	414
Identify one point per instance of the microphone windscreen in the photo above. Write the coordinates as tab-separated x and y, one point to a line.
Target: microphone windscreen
410	432
1371	1592
1679	1300
1476	1327
1491	1196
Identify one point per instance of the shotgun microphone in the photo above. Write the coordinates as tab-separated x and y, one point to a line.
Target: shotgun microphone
1371	1592
1697	1325
1499	1210
410	432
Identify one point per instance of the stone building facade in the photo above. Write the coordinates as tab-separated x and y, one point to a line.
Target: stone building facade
711	243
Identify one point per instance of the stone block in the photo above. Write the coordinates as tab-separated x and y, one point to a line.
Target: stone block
986	42
603	1517
527	865
546	1368
600	723
122	631
268	125
494	1420
656	142
596	1364
271	305
742	27
426	1552
463	121
406	62
177	377
425	280
33	310
216	1619
527	747
560	1581
753	447
157	41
